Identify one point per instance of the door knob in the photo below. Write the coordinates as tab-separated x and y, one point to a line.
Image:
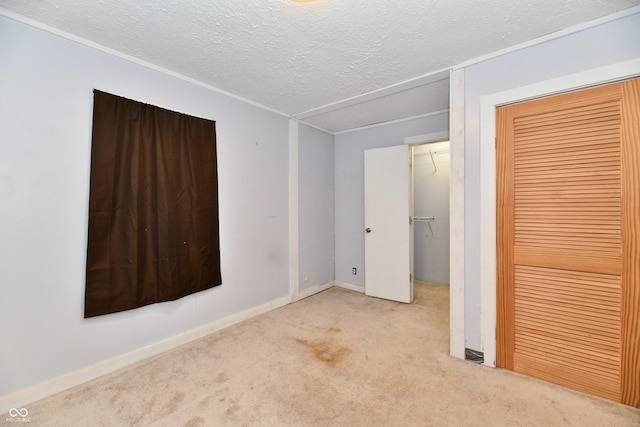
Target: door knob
368	230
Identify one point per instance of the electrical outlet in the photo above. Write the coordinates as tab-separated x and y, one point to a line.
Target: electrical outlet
354	271
305	276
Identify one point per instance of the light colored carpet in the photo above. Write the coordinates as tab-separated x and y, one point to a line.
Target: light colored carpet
338	358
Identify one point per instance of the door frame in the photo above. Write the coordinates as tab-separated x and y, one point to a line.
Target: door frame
456	211
488	104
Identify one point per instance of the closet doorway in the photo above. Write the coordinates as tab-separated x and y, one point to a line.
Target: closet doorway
431	212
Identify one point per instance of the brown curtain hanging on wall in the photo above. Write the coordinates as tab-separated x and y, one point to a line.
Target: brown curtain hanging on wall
153	206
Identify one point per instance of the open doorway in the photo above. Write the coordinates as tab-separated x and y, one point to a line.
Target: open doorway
431	212
399	252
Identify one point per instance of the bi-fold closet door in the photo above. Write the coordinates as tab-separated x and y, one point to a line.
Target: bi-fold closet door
568	222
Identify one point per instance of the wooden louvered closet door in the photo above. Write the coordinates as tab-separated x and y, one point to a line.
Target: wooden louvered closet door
568	221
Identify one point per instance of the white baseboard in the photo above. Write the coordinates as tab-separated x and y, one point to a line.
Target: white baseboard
314	290
350	286
21	398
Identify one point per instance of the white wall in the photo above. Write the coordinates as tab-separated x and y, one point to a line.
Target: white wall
349	182
316	207
46	87
609	43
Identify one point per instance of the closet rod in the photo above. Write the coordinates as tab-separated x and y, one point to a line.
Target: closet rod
431	152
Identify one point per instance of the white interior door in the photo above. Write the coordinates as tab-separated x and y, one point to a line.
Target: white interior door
388	230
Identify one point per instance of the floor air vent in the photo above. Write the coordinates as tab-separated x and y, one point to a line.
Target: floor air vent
474	355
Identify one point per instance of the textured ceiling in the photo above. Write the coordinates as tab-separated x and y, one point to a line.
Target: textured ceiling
295	57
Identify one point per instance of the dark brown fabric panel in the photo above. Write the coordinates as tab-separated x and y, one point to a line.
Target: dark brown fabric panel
153	206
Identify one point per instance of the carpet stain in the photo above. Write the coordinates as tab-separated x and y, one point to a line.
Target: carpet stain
195	422
222	378
148	406
325	351
233	409
205	402
175	402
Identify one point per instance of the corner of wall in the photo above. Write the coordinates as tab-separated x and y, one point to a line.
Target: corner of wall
456	212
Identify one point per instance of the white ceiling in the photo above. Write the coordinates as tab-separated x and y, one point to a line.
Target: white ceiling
314	60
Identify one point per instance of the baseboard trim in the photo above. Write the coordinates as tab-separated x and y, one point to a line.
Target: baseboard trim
350	286
24	397
314	290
